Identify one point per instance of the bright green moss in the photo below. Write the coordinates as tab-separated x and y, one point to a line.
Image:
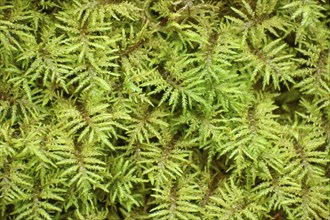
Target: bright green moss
164	109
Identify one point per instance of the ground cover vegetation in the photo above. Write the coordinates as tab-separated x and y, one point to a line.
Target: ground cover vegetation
160	109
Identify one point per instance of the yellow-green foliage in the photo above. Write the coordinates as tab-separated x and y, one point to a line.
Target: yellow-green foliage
164	109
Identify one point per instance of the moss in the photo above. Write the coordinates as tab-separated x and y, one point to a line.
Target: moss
164	109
